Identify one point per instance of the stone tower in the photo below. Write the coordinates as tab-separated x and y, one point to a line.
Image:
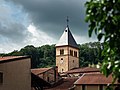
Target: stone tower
67	52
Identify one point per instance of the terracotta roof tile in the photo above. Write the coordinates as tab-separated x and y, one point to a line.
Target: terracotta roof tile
67	83
94	78
39	70
83	70
11	58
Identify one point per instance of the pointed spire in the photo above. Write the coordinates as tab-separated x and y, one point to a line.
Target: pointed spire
67	21
67	38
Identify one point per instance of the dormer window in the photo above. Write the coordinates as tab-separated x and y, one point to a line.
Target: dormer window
61	51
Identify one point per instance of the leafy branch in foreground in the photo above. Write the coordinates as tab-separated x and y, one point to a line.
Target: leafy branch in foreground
103	17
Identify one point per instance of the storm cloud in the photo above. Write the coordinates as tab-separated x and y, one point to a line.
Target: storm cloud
47	17
50	15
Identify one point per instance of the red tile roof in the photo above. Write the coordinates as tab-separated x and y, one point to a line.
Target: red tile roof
40	70
12	58
83	70
65	85
94	78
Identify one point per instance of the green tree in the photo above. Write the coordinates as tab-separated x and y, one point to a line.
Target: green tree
44	56
48	55
30	50
103	17
89	53
14	53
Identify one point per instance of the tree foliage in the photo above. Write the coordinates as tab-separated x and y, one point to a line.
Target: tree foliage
90	53
44	56
103	17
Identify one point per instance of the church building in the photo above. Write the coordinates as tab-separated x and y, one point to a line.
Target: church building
67	52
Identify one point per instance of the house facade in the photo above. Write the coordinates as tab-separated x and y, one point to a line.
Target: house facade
94	81
48	74
45	78
15	73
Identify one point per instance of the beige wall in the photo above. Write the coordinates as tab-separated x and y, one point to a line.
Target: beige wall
16	75
67	62
74	49
74	64
58	50
62	64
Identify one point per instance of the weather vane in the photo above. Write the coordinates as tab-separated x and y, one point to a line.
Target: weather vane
67	20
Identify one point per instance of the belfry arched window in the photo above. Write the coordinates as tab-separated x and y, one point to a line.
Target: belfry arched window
61	51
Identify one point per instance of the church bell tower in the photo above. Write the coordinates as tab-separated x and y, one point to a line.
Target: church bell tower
67	51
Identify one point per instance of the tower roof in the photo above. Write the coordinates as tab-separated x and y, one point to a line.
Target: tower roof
67	39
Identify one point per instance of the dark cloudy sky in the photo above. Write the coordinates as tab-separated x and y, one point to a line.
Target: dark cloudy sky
39	22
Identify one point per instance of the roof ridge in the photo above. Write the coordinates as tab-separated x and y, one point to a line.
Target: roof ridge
79	78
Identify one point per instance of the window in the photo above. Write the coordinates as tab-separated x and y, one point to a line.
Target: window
61	58
61	51
62	70
73	61
83	87
1	77
48	79
101	87
71	52
75	53
61	61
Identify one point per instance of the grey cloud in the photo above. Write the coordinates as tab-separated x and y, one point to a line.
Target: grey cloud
14	32
50	15
46	15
